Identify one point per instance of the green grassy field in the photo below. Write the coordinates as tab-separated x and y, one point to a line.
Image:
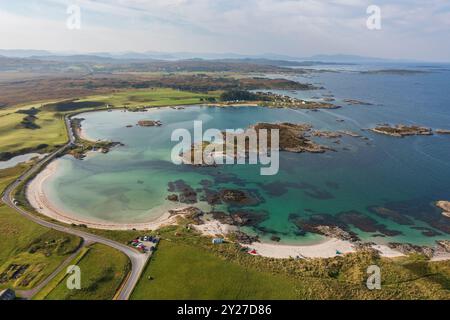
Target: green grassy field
150	97
188	272
13	138
187	265
51	131
28	252
102	272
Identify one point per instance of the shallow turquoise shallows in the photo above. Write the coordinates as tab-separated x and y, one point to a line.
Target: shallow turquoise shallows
406	175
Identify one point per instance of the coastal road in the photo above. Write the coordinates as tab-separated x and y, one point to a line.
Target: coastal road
138	260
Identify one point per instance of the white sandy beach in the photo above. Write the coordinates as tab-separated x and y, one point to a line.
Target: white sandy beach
326	249
38	199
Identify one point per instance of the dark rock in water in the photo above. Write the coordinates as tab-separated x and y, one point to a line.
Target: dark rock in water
275	238
393	215
319	194
222	217
278	188
357	102
324	224
366	223
336	232
427	231
244	238
206	183
420	209
332	185
186	193
407	248
172	197
266	230
238	197
212	197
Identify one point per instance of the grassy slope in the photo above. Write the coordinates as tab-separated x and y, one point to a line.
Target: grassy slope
24	242
102	270
52	131
189	266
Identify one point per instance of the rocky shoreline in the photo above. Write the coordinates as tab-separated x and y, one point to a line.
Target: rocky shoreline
149	123
445	206
402	130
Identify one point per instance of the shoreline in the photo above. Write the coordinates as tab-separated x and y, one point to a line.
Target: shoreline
330	247
39	200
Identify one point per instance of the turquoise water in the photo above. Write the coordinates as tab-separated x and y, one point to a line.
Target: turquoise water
130	183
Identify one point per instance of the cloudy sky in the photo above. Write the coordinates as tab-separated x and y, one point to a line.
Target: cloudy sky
417	29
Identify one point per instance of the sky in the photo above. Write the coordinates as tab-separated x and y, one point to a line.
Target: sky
410	29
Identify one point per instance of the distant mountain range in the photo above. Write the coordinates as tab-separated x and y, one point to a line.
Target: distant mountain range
150	55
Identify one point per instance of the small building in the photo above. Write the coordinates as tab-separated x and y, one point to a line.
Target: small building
7	294
217	240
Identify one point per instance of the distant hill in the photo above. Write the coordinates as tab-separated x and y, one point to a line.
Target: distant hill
172	56
19	53
346	58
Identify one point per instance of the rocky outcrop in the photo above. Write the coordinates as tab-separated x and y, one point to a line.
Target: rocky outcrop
149	123
186	194
237	197
407	248
292	137
337	233
445	206
443	131
357	102
240	218
192	213
443	246
326	134
402	130
172	197
244	238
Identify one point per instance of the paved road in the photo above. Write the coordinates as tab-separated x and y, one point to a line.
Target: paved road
138	260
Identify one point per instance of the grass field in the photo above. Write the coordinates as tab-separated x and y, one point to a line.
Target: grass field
150	97
188	272
13	138
28	252
51	131
102	272
189	266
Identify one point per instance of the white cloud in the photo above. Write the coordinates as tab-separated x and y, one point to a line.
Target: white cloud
299	27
